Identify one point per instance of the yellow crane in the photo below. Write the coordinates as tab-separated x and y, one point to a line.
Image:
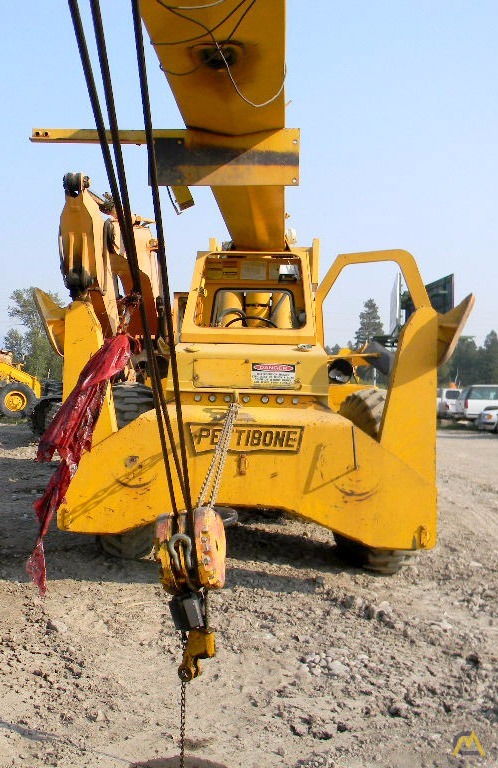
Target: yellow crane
264	415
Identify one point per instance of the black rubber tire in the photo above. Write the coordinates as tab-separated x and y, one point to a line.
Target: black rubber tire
130	545
229	515
382	561
52	388
364	409
38	418
130	400
17	400
43	413
51	411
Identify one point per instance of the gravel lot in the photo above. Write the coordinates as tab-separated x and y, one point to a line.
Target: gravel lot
319	665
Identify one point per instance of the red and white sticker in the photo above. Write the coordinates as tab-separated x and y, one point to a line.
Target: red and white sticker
273	374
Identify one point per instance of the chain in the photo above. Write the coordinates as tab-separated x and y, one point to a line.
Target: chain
215	470
206	609
183	697
213	480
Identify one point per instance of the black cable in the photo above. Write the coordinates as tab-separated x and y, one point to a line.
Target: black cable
193	7
179	74
97	112
159	401
187	18
219	48
94	99
241	19
137	23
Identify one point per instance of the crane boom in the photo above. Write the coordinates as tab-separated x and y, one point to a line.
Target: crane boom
234	53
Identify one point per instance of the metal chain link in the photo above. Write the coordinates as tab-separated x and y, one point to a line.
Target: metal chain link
216	467
206	609
183	709
213	480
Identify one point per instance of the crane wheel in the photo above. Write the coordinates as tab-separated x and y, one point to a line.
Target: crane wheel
130	545
375	559
130	401
17	400
364	409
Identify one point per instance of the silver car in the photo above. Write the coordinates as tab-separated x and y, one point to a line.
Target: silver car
488	419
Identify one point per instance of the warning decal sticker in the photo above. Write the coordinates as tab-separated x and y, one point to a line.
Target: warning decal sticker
273	374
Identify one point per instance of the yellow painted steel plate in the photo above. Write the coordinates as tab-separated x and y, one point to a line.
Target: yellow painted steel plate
247	96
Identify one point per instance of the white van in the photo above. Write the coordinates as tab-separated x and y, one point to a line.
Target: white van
446	402
474	399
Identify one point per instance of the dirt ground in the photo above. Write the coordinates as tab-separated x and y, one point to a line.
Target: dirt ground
320	665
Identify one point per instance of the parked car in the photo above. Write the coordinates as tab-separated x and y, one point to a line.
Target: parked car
445	402
488	419
474	399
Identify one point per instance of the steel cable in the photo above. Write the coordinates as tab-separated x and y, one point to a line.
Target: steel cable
142	71
155	376
126	227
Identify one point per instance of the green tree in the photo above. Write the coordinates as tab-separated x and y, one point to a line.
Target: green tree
462	367
370	324
31	346
487	360
14	342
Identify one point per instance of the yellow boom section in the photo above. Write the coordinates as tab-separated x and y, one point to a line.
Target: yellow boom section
226	67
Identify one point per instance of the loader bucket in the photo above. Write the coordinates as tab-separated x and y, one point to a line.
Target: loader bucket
450	327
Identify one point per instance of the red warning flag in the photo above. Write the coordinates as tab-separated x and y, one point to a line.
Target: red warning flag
70	434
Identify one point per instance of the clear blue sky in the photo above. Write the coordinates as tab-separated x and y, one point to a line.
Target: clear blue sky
397	103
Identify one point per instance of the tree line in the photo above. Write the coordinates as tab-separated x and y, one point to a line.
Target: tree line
471	364
28	341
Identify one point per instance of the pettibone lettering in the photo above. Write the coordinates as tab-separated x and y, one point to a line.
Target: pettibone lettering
268	438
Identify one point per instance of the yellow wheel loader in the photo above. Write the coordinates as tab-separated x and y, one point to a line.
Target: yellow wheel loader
254	386
19	391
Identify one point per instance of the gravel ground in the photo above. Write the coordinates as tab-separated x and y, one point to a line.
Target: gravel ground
319	665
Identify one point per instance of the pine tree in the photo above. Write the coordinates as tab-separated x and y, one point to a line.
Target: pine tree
370	324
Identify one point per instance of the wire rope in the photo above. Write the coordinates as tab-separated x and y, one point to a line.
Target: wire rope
122	220
142	71
159	399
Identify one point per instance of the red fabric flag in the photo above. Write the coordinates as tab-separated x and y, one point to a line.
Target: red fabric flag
70	433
